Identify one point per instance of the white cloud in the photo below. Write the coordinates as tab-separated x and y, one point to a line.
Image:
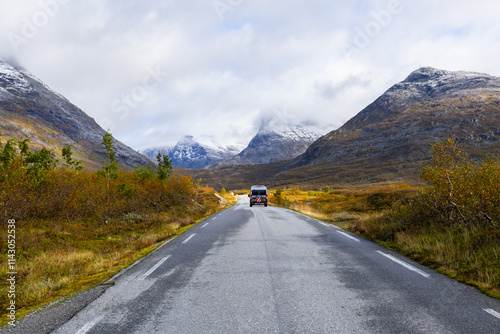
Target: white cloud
224	75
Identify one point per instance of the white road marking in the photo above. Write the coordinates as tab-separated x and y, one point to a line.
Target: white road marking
404	264
165	243
214	218
349	236
189	238
89	325
137	262
493	313
328	225
150	271
204	225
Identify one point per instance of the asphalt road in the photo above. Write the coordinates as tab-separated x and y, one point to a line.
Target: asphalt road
271	270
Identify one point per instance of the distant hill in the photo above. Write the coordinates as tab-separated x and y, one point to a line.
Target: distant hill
196	152
390	139
30	109
275	141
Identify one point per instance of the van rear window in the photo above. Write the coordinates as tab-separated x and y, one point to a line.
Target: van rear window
258	192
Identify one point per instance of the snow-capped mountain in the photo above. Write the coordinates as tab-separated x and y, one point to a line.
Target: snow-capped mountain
392	137
276	141
30	109
196	152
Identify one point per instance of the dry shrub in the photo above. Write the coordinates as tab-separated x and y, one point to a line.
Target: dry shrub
72	230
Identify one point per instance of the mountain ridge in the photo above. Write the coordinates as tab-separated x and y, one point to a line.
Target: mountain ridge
275	141
31	109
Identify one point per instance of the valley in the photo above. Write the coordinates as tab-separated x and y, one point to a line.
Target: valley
416	171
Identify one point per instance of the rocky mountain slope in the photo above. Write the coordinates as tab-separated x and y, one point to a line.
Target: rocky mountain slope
30	109
196	152
275	141
391	137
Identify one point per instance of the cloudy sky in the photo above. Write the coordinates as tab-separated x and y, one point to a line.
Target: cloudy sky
153	71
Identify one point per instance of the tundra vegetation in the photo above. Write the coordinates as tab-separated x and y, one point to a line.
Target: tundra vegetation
76	228
451	225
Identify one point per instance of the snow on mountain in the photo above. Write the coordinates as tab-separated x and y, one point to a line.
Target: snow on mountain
13	81
30	109
196	152
392	137
276	140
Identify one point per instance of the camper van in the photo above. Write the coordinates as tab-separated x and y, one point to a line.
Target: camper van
258	195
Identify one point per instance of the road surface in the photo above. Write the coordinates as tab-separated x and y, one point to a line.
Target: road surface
271	270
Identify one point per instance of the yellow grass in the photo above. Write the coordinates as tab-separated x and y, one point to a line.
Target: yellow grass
58	258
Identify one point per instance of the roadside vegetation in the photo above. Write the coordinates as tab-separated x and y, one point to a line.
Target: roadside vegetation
452	225
342	207
75	229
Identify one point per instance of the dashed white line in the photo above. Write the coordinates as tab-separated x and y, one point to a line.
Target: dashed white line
150	271
189	238
214	218
404	264
89	325
137	262
165	243
328	225
204	225
493	313
349	236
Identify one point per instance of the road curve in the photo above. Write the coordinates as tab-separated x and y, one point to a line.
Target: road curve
271	270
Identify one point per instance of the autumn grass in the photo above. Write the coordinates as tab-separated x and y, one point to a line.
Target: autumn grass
464	253
342	206
58	257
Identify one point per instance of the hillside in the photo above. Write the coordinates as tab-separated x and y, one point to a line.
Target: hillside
30	109
275	141
390	139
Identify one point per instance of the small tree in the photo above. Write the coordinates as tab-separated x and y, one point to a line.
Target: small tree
144	173
67	154
8	154
39	163
164	166
111	170
278	196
